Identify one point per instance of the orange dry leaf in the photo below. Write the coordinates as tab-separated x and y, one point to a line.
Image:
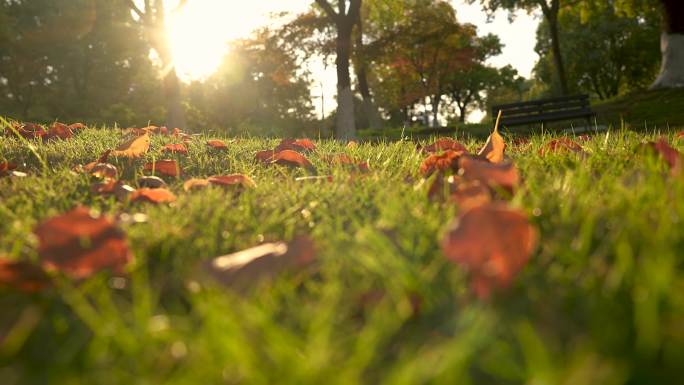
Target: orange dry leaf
501	175
59	131
77	126
299	145
217	144
178	148
7	166
561	145
445	144
493	243
265	156
103	171
232	180
134	148
495	147
26	130
444	162
347	161
469	194
164	167
80	244
23	276
292	159
157	195
195	184
244	268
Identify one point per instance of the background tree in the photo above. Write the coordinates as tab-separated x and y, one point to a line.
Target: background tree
550	9
344	18
152	18
672	45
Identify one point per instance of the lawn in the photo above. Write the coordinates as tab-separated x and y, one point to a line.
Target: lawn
601	301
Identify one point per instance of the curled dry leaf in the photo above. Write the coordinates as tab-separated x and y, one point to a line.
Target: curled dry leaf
102	159
134	148
668	153
444	162
493	243
26	130
77	126
495	147
151	182
561	145
501	175
244	268
6	168
298	145
80	244
445	144
470	194
157	195
104	171
195	184
265	156
116	188
23	276
217	144
292	159
164	167
59	131
175	148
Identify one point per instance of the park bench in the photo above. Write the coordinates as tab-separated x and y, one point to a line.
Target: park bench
545	110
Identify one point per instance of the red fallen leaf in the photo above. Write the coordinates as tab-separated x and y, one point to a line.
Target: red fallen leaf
679	135
217	144
347	161
470	194
561	145
668	153
244	268
292	159
7	166
445	144
232	180
493	243
77	126
164	167
23	276
443	162
176	148
584	138
299	145
521	141
114	187
104	171
157	195
102	159
79	244
352	144
27	130
503	175
59	131
265	156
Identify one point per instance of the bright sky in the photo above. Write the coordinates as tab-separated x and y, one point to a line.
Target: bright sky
200	31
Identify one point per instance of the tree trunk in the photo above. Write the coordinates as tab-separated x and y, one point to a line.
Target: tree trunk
462	113
346	128
175	113
672	46
436	99
552	19
361	69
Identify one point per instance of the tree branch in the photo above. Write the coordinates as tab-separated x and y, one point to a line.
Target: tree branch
328	9
354	9
134	8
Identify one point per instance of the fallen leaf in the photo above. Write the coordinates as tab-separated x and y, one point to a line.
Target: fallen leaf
59	131
679	135
668	153
292	159
177	148
151	182
494	175
164	167
347	161
444	144
352	144
6	167
232	180
244	268
470	194
265	156
157	195
492	243
217	144
23	276
104	171
317	178
134	148
77	126
561	145
80	244
443	162
195	184
495	147
299	145
26	130
102	159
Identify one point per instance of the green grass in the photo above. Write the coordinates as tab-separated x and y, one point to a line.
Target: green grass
601	302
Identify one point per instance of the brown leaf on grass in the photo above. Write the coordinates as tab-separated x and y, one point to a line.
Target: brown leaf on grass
561	145
134	148
494	175
298	145
80	244
157	195
493	243
217	144
444	144
114	187
195	184
265	156
59	131
77	126
26	130
668	153
444	162
176	148
102	159
292	159
495	148
352	144
23	276
232	180
242	269
104	171
6	166
164	167
347	161
470	194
